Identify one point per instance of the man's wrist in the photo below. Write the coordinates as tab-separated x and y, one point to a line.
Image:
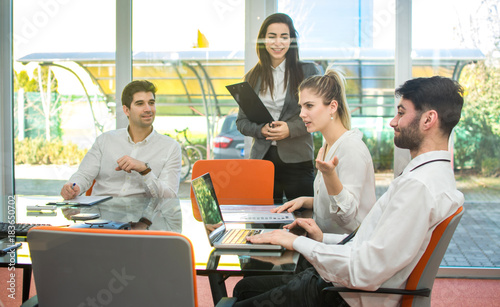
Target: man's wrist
146	171
145	221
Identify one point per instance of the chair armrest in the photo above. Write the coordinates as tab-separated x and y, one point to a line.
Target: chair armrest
420	292
32	302
226	302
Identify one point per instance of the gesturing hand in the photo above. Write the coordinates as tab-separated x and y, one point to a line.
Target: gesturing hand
326	167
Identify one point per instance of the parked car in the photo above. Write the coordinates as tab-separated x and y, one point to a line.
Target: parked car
229	143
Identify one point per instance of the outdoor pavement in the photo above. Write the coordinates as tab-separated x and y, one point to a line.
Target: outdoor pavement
476	242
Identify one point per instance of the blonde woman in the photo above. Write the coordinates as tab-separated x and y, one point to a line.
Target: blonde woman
343	193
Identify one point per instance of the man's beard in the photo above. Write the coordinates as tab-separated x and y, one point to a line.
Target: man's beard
410	136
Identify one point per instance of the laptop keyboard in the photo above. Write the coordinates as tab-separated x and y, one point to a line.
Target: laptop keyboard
238	236
20	229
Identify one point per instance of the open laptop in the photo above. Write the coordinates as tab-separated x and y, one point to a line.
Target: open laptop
218	235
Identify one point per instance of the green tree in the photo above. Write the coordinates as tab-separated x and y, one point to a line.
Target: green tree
477	142
23	80
478	133
42	102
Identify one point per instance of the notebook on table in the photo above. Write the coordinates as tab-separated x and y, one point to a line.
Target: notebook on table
82	200
250	103
218	235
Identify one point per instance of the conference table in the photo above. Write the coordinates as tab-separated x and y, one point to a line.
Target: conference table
165	215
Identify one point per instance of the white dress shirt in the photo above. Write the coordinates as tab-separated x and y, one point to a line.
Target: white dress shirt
162	153
275	102
355	171
393	236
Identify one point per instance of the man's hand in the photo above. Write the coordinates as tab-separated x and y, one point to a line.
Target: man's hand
129	164
292	205
326	167
278	130
277	237
69	191
310	226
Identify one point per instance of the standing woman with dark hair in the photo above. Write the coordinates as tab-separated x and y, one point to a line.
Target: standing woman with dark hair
276	78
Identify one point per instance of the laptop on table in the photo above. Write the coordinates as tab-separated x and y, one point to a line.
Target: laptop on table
218	235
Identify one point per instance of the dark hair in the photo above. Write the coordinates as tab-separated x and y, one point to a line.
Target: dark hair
441	94
263	68
135	87
330	87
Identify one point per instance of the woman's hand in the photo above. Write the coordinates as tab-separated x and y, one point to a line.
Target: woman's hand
294	204
276	131
326	167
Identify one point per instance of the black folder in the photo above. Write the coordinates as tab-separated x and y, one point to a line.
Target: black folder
250	103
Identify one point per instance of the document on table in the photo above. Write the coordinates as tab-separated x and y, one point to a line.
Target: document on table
82	200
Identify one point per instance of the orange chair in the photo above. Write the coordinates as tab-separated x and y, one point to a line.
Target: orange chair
89	191
237	181
419	285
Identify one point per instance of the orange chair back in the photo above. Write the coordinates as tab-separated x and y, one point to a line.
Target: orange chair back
237	181
89	191
418	271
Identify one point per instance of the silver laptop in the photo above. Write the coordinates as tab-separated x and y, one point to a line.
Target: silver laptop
255	214
218	235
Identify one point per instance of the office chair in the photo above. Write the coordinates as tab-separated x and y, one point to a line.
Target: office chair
89	191
237	181
419	285
76	267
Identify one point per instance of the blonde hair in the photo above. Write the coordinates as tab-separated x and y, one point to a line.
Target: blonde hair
330	86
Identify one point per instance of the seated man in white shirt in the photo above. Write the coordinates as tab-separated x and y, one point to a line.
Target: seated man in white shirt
396	231
132	161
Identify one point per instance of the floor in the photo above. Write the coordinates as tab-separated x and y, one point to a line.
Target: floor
446	292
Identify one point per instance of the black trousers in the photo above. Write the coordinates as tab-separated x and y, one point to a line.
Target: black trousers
300	290
291	180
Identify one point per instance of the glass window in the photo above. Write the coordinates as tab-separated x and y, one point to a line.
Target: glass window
460	43
64	87
63	98
191	56
359	39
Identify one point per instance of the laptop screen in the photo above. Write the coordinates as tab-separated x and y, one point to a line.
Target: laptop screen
211	215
